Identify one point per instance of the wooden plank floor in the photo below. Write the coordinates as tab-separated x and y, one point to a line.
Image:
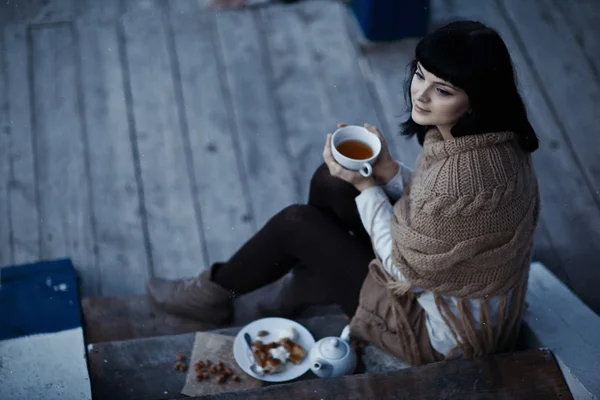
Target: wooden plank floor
152	137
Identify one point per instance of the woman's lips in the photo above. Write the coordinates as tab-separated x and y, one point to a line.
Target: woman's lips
421	110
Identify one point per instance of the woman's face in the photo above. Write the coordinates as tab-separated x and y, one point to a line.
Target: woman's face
436	102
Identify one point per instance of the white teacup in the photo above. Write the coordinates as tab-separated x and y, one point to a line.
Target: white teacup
354	132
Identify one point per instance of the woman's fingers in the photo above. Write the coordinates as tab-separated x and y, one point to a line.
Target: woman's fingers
327	154
371	128
335	169
374	131
341	125
327	149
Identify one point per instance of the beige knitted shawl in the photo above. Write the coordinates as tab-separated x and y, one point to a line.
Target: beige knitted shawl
465	228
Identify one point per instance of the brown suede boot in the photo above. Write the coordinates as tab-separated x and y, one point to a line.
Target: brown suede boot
294	292
197	298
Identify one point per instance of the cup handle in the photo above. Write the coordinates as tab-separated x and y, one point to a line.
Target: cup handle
366	170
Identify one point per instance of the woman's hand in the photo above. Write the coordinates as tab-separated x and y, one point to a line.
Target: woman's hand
353	177
384	167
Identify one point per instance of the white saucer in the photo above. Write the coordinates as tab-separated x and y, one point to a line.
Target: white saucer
243	356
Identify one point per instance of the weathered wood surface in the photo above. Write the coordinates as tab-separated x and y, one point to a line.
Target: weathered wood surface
219	179
336	63
546	252
271	181
160	143
544	34
37	11
5	240
556	319
101	11
202	125
583	20
143	368
132	317
523	375
304	108
121	243
138	369
122	318
61	148
23	196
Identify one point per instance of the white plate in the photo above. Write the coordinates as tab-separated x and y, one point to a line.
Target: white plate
243	356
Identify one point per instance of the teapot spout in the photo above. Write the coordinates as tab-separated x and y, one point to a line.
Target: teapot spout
321	368
319	364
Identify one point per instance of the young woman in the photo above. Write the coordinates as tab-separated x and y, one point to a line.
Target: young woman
430	264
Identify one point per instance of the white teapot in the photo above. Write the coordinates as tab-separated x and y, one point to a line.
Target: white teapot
333	356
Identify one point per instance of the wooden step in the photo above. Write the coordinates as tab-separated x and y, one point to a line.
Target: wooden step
129	317
143	368
531	374
121	318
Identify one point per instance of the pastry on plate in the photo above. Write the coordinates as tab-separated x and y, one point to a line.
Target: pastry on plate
296	352
272	357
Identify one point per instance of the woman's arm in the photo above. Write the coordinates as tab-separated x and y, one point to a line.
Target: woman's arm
376	214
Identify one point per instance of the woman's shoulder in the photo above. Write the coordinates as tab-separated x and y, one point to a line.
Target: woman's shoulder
498	164
485	173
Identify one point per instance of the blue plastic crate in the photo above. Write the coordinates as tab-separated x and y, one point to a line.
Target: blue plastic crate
388	20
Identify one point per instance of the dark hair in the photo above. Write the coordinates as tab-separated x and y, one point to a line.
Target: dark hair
474	58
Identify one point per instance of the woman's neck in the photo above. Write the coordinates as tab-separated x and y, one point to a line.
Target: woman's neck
446	131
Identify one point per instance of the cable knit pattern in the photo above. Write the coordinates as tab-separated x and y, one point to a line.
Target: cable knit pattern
465	229
468	175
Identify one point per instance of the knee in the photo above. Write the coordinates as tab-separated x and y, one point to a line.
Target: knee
323	183
297	214
320	177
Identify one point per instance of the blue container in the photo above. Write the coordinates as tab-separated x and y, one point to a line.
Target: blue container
388	20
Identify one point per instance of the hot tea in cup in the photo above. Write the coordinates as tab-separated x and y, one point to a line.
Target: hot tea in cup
355	148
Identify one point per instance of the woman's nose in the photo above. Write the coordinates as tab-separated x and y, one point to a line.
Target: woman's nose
421	95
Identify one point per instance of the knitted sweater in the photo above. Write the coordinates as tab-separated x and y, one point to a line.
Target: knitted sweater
462	239
367	203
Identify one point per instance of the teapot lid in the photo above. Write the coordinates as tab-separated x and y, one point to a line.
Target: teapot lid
333	348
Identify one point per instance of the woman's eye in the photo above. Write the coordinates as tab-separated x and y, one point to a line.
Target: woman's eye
421	77
443	92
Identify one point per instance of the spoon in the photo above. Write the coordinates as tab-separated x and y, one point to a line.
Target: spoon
253	366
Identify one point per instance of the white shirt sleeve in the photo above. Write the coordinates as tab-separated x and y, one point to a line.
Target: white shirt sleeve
376	214
395	187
